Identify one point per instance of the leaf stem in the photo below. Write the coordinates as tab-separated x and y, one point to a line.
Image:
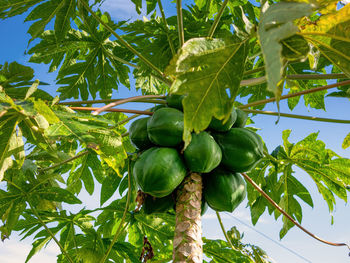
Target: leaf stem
131	99
269	199
260	80
63	162
180	24
296	116
224	231
119	230
217	19
172	48
113	110
252	71
261	102
64	252
155	101
121	40
317	76
128	119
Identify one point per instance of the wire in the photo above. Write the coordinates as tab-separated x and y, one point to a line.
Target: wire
267	237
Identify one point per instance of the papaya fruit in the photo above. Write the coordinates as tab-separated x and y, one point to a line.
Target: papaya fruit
203	154
220	126
155	108
175	101
138	134
158	205
241	119
223	190
158	171
165	127
241	149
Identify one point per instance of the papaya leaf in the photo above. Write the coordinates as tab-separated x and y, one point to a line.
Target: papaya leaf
331	35
109	186
45	12
276	24
314	99
11	143
58	194
220	251
82	173
15	7
99	67
13	74
208	72
346	142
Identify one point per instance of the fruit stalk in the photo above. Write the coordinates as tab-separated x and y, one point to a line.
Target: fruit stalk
188	228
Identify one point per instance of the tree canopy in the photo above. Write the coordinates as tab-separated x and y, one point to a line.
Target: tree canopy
219	55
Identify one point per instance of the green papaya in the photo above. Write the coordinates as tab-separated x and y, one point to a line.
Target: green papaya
155	108
165	127
157	205
138	134
241	149
241	119
203	154
223	190
158	171
175	101
218	125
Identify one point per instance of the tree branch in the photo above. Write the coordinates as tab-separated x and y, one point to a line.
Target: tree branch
261	102
166	27
296	116
119	230
113	110
269	199
155	101
180	24
121	40
113	104
217	19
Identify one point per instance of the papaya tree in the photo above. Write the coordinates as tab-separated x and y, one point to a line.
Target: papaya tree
204	72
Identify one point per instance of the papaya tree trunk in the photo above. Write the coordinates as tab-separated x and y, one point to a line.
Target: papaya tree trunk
188	229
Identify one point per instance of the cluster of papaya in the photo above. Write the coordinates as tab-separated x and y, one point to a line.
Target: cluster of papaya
220	153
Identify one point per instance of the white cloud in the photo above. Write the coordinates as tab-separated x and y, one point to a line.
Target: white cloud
120	9
16	251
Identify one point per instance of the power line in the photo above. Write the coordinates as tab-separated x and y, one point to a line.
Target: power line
267	237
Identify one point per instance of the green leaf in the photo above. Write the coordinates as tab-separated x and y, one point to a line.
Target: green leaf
331	36
58	194
220	252
109	146
63	17
15	7
314	99
11	143
346	142
109	186
33	88
276	24
208	72
14	74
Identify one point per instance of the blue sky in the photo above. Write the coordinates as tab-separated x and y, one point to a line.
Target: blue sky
317	220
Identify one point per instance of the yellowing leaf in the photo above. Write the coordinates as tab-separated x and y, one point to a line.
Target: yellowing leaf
331	35
346	142
208	72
